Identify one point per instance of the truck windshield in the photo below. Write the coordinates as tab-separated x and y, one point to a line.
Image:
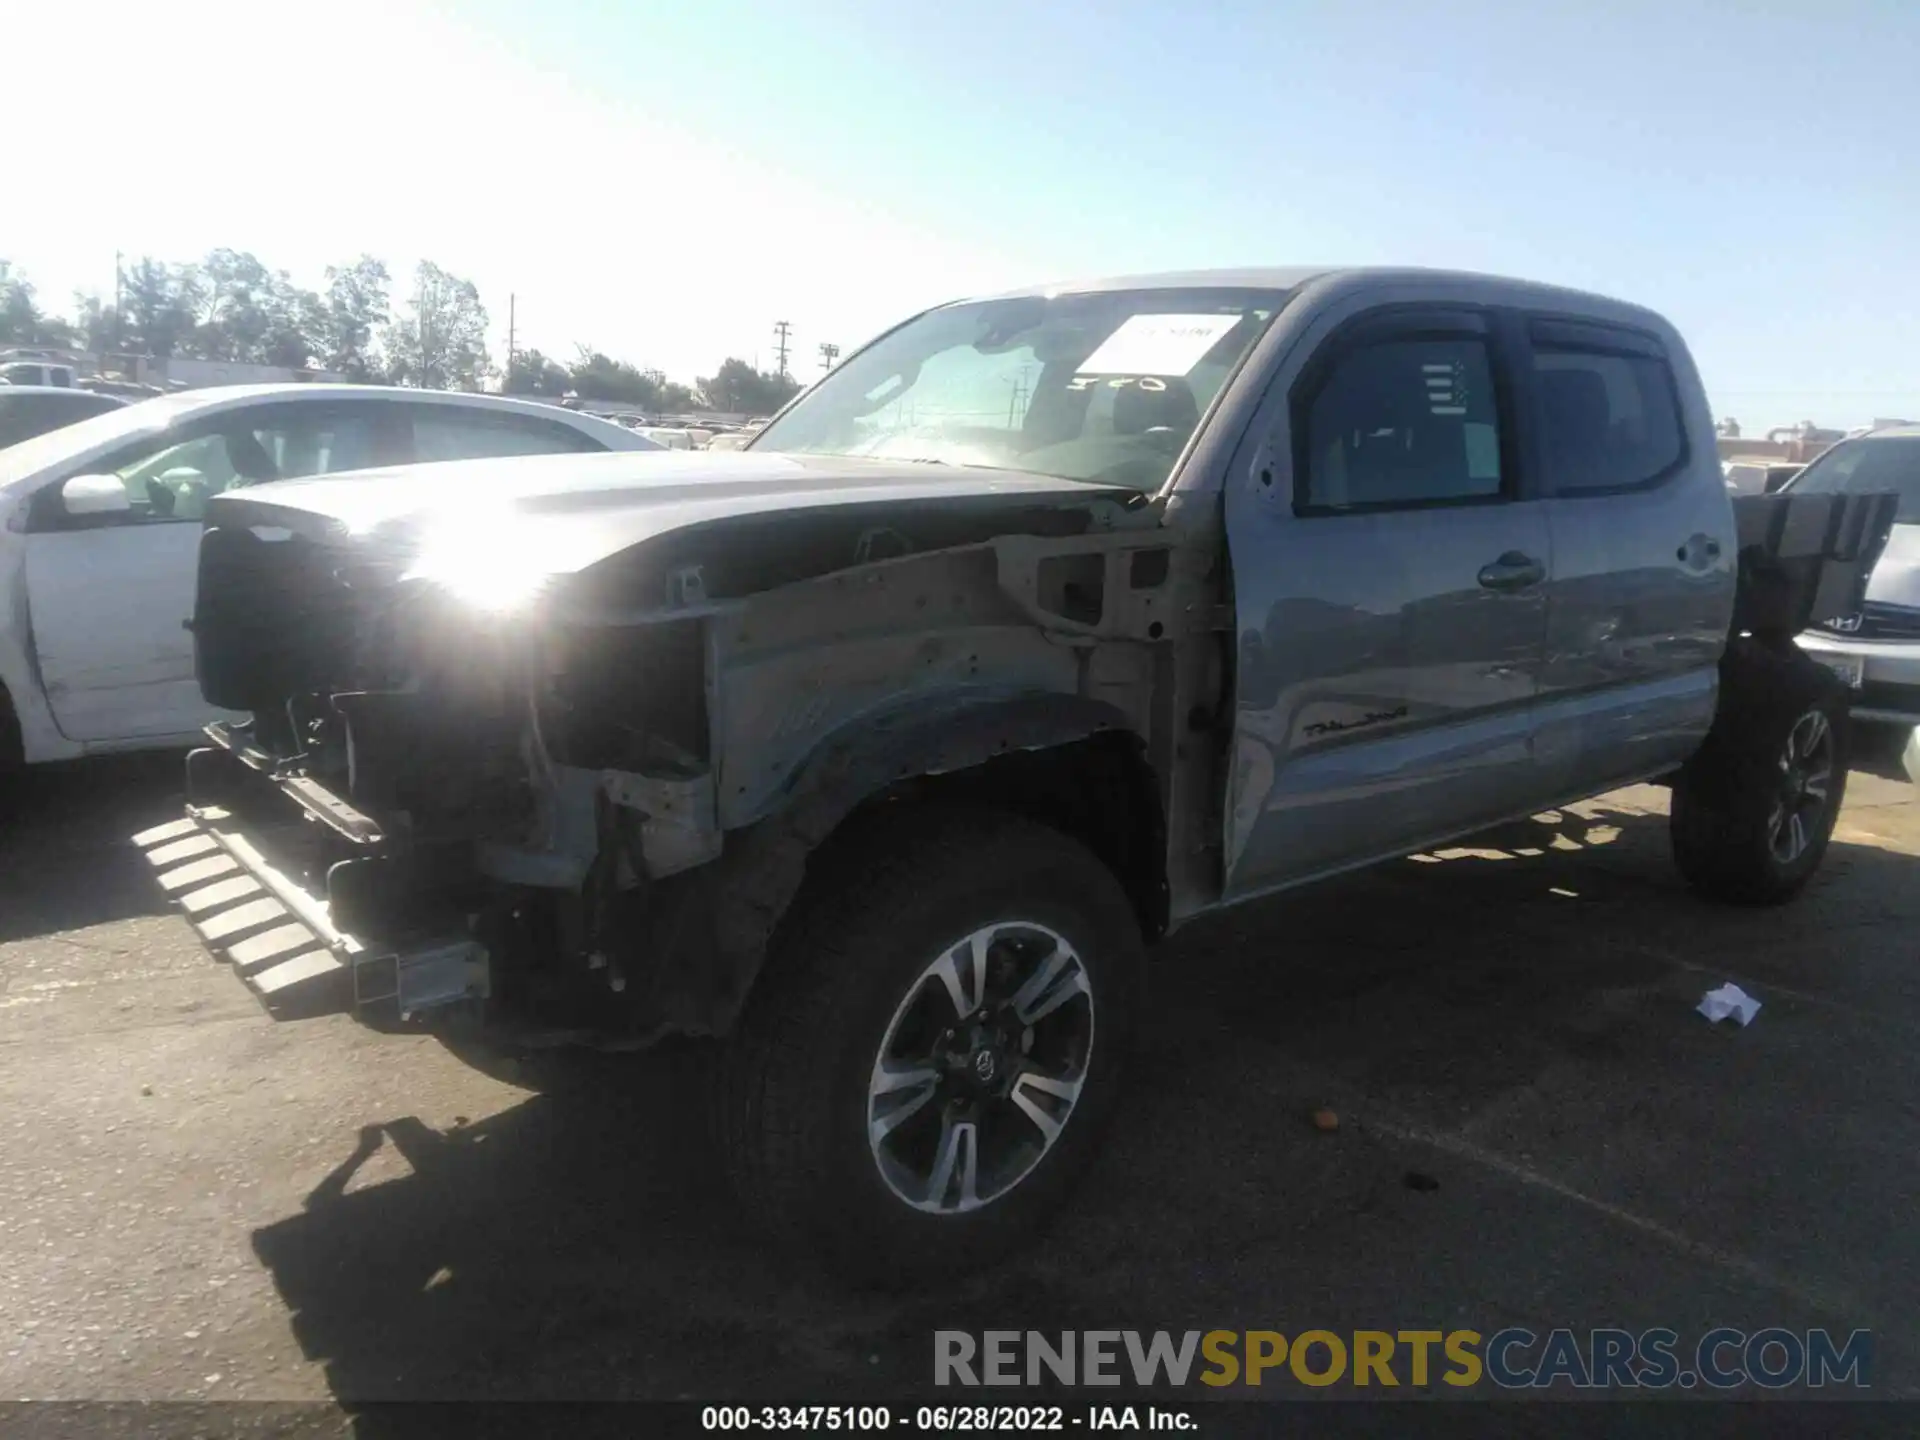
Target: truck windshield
1869	465
1100	385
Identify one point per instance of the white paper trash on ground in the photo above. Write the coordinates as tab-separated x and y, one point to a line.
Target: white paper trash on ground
1729	999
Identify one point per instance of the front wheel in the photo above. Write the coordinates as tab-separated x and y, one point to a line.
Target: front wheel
925	1067
1752	814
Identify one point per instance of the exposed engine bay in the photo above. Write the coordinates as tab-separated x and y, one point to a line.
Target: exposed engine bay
587	802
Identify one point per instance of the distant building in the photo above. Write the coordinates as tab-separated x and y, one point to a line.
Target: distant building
1796	443
178	373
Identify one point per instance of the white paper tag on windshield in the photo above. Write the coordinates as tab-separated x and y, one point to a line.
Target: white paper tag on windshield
1158	344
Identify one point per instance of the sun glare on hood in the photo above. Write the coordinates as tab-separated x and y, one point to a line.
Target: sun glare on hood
480	561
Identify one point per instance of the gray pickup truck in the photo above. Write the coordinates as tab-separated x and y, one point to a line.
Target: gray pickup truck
1042	625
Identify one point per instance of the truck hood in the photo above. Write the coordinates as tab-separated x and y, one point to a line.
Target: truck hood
505	528
540	516
1896	577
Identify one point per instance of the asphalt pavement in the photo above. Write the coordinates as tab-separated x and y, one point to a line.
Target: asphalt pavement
1534	1127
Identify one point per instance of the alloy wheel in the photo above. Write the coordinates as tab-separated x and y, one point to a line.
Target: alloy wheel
980	1068
1806	779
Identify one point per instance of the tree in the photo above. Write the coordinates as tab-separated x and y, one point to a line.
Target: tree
532	373
19	316
599	377
252	315
96	324
229	317
22	322
161	302
296	322
441	342
355	307
737	388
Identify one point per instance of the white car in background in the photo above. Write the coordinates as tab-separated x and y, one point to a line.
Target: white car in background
1877	650
669	436
100	531
50	373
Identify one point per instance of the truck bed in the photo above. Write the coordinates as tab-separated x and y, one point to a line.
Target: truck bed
1806	559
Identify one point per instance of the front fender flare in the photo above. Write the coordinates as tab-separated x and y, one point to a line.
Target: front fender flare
709	938
934	735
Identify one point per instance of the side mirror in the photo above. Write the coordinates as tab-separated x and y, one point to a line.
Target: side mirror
94	495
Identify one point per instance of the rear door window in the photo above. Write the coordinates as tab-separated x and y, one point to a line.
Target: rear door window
1608	413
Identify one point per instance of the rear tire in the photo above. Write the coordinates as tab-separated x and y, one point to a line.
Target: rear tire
831	1145
1753	812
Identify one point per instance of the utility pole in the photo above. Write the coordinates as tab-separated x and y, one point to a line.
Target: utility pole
829	353
119	315
507	383
780	329
420	312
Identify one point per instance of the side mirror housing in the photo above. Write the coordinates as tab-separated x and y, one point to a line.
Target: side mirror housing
94	495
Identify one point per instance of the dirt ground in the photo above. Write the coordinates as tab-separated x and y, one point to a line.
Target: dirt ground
202	1203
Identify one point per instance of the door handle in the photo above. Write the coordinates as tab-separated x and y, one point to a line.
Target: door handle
1512	571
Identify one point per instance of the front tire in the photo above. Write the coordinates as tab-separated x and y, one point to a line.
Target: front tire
927	1064
1753	812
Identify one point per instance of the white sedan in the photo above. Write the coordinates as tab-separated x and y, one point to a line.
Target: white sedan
100	528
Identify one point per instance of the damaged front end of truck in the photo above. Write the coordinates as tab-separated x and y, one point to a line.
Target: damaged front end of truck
559	756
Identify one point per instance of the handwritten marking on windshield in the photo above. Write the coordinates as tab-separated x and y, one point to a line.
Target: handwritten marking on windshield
1119	382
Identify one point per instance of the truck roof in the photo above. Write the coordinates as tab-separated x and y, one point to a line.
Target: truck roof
1493	288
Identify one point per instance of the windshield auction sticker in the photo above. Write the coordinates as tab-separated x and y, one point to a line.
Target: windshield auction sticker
1158	344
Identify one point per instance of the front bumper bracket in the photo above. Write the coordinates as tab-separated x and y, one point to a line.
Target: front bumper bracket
279	936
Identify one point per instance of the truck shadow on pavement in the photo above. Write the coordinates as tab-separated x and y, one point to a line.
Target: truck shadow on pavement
579	1245
65	858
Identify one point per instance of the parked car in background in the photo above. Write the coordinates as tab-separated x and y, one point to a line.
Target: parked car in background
668	436
129	390
1759	476
30	410
1876	649
100	523
36	372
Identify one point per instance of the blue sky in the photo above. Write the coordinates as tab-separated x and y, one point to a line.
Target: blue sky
665	181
